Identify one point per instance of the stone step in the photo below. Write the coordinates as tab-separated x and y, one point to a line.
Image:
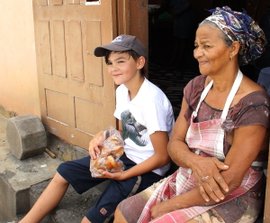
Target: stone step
17	178
22	182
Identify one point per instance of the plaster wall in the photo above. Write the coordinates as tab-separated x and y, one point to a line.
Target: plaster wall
18	72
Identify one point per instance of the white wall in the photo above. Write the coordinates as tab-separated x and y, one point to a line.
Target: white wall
18	72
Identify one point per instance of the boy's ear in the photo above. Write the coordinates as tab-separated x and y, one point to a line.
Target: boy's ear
140	62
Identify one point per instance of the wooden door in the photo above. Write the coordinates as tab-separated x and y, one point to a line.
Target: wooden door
76	94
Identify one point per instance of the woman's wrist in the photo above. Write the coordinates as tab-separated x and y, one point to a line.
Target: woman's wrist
173	205
191	159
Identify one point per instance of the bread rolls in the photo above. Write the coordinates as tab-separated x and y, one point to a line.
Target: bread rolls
108	160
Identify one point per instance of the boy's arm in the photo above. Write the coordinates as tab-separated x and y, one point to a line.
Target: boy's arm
158	159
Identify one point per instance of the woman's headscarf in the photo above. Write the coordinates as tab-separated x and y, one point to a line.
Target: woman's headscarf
238	26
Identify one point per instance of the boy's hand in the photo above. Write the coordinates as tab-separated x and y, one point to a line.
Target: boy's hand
95	144
115	176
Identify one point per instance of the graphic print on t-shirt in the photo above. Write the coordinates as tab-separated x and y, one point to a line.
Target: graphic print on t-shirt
132	129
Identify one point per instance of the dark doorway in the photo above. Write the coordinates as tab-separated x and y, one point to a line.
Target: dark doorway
172	26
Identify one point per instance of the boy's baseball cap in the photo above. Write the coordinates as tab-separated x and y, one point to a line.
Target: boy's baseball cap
122	43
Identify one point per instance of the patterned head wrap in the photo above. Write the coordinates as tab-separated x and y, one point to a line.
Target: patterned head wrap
238	26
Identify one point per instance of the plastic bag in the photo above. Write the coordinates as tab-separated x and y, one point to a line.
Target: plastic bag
110	152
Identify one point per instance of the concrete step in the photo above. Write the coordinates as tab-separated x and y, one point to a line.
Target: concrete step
22	182
16	180
17	177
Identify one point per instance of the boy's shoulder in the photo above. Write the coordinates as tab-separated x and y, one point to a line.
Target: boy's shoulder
147	92
149	85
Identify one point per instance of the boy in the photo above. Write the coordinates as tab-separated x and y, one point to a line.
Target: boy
145	118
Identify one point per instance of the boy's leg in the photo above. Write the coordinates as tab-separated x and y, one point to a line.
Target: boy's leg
74	172
85	220
130	209
117	191
48	200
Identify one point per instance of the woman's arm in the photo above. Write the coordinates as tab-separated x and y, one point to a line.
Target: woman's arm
247	143
186	200
246	146
200	166
177	148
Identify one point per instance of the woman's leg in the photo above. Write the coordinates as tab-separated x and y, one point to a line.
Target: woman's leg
48	200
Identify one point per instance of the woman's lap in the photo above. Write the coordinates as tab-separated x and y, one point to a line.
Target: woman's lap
132	207
245	208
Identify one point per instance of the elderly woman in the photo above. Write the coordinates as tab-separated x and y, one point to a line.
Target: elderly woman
220	135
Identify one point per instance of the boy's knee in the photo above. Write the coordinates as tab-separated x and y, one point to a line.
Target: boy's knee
64	169
85	220
58	179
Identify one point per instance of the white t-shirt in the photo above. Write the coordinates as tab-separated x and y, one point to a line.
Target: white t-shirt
149	111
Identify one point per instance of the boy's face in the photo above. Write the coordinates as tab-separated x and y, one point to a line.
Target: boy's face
122	67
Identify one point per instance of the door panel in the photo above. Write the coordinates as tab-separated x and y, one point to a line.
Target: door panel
92	40
58	48
77	96
74	51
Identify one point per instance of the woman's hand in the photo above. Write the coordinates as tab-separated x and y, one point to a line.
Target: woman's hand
212	185
95	144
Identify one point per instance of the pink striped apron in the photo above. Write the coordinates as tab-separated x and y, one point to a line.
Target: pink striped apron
208	138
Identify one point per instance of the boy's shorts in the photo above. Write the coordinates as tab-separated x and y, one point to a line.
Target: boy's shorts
77	173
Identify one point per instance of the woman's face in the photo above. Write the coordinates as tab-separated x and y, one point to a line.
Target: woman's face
211	51
122	67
